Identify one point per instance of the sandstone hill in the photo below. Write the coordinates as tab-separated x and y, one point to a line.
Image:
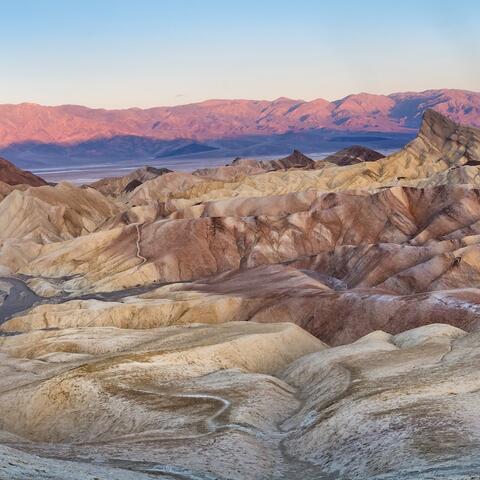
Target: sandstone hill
13	178
11	175
115	186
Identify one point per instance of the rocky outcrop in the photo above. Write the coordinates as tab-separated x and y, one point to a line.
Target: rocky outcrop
114	186
11	175
241	168
350	156
295	160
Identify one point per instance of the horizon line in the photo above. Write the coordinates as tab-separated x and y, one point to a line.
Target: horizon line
236	100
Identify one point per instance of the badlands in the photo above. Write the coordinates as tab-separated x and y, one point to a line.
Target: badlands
287	319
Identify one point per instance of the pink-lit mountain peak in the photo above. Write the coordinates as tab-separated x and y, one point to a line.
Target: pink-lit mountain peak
211	119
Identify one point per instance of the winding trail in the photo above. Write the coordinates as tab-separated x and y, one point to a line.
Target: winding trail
137	243
211	424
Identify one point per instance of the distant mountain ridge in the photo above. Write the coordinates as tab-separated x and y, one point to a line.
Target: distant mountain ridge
41	132
212	119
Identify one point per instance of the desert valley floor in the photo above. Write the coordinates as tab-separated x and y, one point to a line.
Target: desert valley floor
274	319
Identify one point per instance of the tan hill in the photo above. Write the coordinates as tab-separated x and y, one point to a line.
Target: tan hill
117	185
295	160
243	167
239	400
48	214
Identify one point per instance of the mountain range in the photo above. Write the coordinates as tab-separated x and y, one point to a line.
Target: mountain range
34	135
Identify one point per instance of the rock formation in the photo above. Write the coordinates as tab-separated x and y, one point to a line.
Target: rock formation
351	156
239	400
114	186
243	167
295	160
11	175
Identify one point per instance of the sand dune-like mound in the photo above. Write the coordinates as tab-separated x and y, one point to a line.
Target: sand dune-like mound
5	189
275	401
295	160
243	167
378	408
50	214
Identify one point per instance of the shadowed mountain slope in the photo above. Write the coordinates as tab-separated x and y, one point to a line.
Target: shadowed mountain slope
38	135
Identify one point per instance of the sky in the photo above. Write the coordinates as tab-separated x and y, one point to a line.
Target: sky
144	53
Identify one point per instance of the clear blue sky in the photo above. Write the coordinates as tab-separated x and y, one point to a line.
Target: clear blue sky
117	53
